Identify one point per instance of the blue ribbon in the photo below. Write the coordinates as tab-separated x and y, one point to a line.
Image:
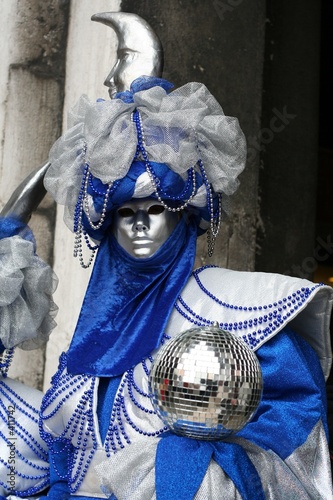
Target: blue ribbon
181	464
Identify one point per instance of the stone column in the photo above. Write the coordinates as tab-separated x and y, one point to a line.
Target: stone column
32	41
91	53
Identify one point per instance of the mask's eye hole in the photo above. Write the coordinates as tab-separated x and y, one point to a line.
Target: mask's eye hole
156	209
125	212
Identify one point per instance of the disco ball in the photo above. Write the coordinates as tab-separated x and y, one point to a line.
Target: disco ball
205	383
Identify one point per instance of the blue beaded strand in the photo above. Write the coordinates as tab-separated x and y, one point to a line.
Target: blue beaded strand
10	398
5	361
271	317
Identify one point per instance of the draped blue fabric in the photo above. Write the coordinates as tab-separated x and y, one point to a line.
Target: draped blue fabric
107	389
293	402
59	489
128	303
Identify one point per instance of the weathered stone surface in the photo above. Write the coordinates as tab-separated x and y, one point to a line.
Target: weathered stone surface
31	99
91	53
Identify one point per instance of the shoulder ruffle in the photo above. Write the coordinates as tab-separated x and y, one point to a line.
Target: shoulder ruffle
26	287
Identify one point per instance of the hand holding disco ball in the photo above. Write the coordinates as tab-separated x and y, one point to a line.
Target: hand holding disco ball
205	383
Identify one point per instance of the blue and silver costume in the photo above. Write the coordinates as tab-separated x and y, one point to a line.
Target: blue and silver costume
104	437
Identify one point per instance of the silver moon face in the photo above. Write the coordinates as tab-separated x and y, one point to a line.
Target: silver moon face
139	50
205	383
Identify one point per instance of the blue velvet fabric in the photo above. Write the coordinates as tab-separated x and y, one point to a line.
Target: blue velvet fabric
128	303
10	226
59	456
181	464
293	402
107	389
294	396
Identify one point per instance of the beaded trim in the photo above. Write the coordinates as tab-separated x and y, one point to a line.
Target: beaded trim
80	424
264	321
116	435
5	360
215	219
79	432
30	466
141	149
82	206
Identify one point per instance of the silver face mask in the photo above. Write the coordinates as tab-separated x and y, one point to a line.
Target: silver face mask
141	226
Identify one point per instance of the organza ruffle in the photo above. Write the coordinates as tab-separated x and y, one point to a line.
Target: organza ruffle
26	287
179	127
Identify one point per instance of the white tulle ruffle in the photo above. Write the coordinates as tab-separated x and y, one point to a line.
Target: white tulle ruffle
26	287
180	128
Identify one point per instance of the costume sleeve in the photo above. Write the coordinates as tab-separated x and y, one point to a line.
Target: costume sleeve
27	283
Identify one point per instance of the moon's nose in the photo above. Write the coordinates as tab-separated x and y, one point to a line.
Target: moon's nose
109	80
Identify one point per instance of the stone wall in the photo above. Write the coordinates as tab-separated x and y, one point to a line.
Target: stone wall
91	53
32	46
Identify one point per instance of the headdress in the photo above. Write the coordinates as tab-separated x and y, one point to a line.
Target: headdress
92	164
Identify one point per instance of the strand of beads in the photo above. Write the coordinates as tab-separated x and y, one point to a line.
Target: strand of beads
82	206
117	436
297	298
141	149
79	431
5	361
19	403
260	321
103	213
215	219
79	231
27	448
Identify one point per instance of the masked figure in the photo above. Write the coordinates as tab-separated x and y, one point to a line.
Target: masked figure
141	176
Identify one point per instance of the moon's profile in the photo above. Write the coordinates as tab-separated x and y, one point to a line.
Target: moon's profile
139	50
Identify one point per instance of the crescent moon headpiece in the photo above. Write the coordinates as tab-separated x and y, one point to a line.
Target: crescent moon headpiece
139	52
